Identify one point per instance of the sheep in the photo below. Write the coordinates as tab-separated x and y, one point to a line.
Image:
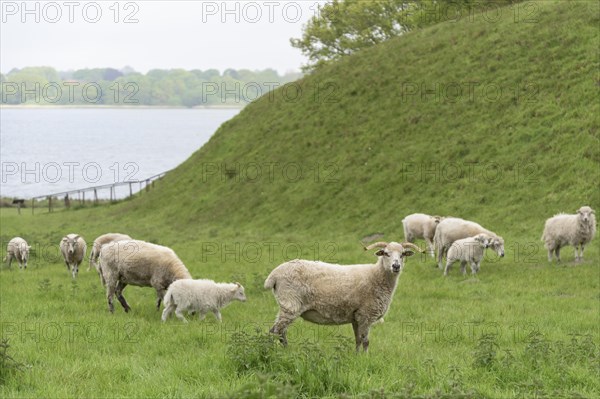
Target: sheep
470	250
139	263
325	293
576	230
97	246
200	296
420	225
73	249
452	229
17	249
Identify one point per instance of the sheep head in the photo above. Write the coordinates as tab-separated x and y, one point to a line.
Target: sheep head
24	251
71	244
238	292
484	240
586	214
392	254
497	244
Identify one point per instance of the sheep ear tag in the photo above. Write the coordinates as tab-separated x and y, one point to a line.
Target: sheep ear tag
408	252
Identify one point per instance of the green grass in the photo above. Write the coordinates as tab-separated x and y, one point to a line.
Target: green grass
522	328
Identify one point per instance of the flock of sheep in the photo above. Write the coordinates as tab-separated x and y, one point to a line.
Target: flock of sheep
319	292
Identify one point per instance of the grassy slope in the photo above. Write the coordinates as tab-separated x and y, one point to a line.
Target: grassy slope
362	134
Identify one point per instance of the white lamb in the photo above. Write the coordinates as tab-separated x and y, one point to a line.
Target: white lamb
576	230
469	250
200	296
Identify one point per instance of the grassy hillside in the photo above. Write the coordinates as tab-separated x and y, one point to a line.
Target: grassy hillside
508	136
492	119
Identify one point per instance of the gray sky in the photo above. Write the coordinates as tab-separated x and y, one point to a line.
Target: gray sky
158	34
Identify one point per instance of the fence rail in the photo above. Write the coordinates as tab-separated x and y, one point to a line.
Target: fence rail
79	194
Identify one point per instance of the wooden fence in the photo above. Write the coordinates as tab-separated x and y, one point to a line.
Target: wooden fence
79	195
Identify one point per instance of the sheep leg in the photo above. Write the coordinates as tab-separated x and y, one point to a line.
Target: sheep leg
550	255
557	253
440	256
201	315
218	315
283	321
356	336
430	247
102	280
581	252
474	268
449	263
110	292
578	253
463	267
68	266
363	334
119	291
160	294
167	312
10	258
180	315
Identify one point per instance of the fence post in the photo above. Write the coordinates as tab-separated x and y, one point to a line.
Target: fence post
32	205
49	204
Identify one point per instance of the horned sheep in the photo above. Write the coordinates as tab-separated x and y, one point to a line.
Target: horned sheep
467	250
325	293
18	249
420	225
452	229
140	263
576	230
200	296
73	249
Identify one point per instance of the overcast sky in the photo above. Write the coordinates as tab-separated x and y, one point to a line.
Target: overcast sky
153	34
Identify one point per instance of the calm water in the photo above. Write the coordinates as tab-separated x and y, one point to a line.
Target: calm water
45	151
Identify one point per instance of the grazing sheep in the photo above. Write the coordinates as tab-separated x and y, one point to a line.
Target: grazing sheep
420	225
452	229
576	230
325	293
467	250
139	263
73	248
17	249
99	242
200	296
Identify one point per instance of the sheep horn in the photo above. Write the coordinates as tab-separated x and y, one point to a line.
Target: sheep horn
379	244
411	245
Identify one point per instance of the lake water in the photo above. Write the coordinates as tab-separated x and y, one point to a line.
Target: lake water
46	151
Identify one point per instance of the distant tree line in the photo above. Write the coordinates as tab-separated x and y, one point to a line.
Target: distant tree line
126	87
